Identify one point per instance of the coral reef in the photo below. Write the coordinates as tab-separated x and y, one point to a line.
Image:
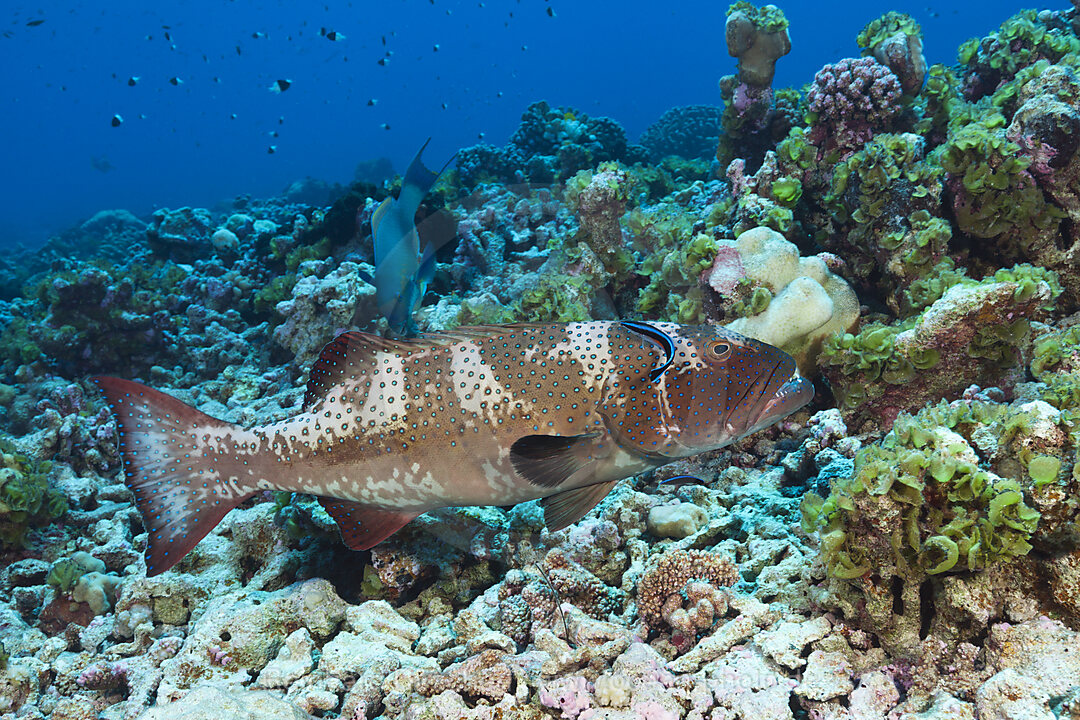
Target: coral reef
758	37
26	498
755	116
689	131
887	218
895	40
786	300
906	548
550	144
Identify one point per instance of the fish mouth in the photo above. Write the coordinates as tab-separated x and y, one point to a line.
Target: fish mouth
793	394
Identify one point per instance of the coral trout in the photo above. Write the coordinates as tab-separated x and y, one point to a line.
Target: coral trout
492	415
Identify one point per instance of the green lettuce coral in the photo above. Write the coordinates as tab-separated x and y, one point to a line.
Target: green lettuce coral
26	499
886	206
994	194
673	258
971	330
1022	40
933	526
949	513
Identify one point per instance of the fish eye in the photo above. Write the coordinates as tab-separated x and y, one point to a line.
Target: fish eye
719	350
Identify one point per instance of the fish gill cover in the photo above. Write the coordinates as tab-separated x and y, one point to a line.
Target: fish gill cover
901	225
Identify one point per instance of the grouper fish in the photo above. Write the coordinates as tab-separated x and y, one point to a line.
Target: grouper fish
489	415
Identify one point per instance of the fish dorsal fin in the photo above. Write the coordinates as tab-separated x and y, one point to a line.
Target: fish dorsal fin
548	460
349	354
362	526
566	508
355	354
465	333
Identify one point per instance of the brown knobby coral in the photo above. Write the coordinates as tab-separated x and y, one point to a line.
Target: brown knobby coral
676	579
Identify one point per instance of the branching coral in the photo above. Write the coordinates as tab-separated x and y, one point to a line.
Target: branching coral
681	591
528	601
851	100
550	144
485	675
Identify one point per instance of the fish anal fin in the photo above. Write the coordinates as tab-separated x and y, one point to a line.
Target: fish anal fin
548	460
566	508
362	526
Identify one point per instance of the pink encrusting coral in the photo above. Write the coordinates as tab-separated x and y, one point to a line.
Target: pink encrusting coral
852	100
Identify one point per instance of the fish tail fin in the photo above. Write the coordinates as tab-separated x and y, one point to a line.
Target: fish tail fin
417	173
186	469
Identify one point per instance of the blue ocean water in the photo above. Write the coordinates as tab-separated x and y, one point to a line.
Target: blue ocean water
190	85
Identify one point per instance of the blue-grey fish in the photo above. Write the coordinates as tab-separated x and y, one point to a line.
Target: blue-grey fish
402	271
492	415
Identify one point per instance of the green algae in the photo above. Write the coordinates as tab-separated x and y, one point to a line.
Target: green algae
64	574
1001	197
278	289
1044	469
884	198
768	18
673	257
868	365
26	499
1021	41
556	298
884	27
951	514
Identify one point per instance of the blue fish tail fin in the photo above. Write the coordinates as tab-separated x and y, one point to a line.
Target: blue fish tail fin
403	267
418	176
186	469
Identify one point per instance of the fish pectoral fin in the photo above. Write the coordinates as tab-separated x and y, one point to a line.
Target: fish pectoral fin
548	460
362	526
566	508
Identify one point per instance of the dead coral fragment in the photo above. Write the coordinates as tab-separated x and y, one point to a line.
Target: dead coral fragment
482	676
